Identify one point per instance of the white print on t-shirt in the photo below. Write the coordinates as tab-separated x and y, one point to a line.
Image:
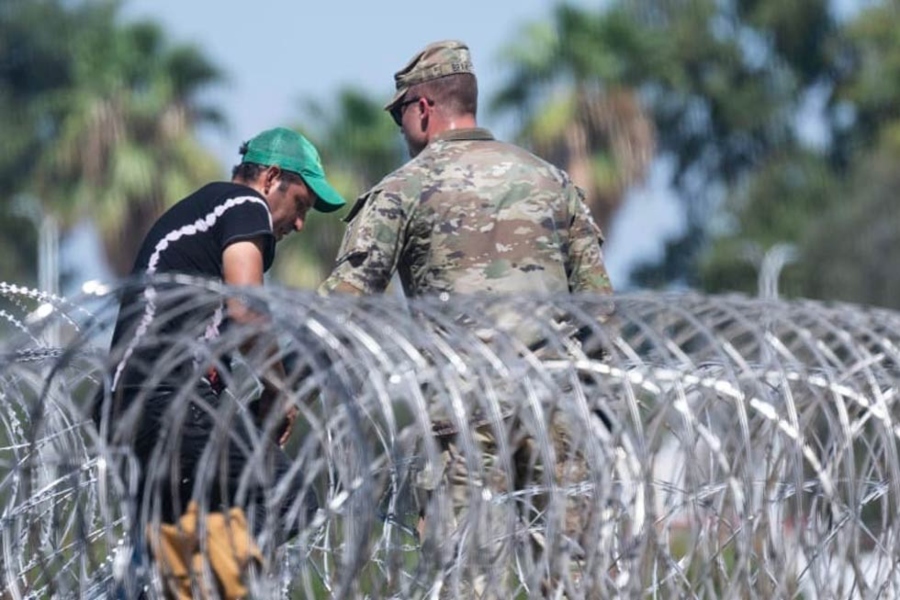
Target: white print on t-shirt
199	226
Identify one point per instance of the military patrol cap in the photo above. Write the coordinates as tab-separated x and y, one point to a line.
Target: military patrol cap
436	60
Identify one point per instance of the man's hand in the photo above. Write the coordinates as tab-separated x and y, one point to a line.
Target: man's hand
287	424
262	408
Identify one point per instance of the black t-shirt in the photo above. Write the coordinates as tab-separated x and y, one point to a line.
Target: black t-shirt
153	323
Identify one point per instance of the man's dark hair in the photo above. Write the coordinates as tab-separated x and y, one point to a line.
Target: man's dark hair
248	171
456	93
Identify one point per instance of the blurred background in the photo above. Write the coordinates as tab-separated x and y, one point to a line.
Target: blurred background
714	138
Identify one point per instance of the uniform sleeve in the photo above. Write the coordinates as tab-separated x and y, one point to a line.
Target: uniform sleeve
247	218
371	246
586	270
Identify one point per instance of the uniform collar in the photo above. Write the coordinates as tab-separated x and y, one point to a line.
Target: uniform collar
460	135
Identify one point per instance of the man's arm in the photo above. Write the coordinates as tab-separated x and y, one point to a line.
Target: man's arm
587	273
242	265
370	250
585	269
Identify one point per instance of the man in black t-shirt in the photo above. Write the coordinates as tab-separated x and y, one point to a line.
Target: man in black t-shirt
227	232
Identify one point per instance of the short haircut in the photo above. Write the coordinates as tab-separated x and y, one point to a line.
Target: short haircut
247	171
458	94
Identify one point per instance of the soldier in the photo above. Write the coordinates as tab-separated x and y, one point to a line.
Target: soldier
468	214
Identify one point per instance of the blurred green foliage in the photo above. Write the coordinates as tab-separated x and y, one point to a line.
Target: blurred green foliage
99	122
747	83
782	121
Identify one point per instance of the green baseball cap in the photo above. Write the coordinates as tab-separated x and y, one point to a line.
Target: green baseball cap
287	149
436	60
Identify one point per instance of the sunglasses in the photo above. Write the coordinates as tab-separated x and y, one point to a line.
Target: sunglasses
398	109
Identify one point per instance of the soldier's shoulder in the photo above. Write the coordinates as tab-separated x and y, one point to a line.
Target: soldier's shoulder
532	162
403	179
400	186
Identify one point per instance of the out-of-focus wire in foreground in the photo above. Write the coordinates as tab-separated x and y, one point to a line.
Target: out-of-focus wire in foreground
712	447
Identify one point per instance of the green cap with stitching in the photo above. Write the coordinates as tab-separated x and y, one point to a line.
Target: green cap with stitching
287	149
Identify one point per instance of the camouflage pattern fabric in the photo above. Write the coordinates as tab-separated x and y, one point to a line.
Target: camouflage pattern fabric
486	531
472	214
436	60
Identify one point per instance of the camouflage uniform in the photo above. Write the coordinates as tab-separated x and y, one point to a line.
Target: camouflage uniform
471	214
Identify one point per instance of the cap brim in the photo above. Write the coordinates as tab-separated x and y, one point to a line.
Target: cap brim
328	198
397	98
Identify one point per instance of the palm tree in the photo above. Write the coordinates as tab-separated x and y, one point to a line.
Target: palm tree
125	147
35	63
573	84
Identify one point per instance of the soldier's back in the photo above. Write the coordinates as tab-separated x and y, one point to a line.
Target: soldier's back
486	216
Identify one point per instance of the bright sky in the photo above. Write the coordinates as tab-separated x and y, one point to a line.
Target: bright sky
276	53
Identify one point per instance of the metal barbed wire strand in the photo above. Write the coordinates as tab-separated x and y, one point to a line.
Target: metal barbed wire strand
743	447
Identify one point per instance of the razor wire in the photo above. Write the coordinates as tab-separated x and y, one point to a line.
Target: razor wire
681	446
